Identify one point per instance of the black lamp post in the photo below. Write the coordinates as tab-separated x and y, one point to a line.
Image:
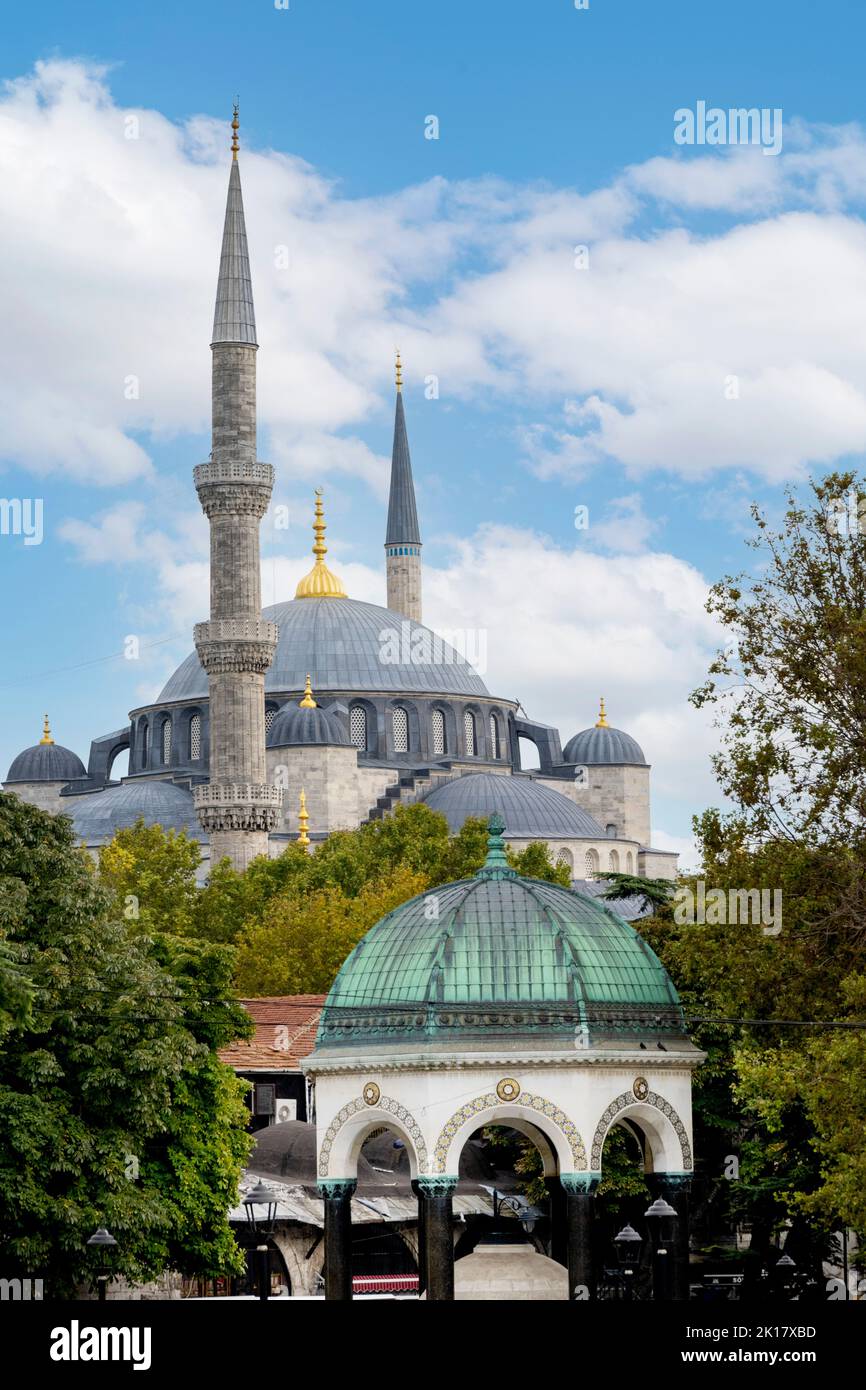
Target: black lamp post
661	1218
103	1241
627	1244
258	1226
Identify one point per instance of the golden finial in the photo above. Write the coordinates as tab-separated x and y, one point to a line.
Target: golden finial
601	722
46	732
320	582
399	372
303	821
308	702
235	128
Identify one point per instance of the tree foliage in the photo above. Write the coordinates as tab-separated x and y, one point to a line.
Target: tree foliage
113	1107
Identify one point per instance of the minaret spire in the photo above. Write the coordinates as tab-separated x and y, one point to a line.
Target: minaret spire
403	535
236	807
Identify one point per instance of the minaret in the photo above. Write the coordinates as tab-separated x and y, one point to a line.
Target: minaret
236	808
402	538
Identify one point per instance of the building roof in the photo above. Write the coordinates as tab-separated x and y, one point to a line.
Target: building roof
294	725
234	316
530	810
285	1033
97	818
504	956
346	645
46	762
402	525
601	745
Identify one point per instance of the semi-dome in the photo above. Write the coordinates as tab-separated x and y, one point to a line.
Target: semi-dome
306	723
602	744
97	818
530	810
503	956
346	645
46	761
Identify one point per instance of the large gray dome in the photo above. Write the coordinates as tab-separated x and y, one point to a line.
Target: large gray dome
97	818
46	762
530	810
597	746
344	644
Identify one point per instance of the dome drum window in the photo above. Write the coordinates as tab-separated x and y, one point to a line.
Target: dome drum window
613	861
358	726
400	730
469	738
195	738
495	750
270	716
437	721
166	741
145	742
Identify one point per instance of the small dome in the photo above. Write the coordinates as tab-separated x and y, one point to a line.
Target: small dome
46	762
97	818
495	1272
603	745
505	958
306	723
529	809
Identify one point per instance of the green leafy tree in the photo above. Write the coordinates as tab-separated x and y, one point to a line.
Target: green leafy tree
113	1107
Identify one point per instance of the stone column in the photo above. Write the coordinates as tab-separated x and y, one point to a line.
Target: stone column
435	1220
337	1198
676	1189
579	1211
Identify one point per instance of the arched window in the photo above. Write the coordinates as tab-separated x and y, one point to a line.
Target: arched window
566	857
613	861
145	742
437	719
400	728
591	862
358	726
166	740
494	737
469	732
629	863
195	738
270	716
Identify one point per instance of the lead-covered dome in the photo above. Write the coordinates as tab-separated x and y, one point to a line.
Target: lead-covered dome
530	810
97	818
346	645
503	956
46	762
306	723
602	745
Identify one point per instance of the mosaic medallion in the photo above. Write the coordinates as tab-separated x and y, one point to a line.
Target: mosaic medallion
508	1089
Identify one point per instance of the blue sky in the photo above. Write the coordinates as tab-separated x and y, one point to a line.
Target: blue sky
558	387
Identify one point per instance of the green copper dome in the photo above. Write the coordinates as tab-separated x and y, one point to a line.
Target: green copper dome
497	955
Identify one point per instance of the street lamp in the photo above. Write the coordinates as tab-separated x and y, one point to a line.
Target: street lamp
661	1218
627	1244
262	1196
103	1241
786	1270
527	1215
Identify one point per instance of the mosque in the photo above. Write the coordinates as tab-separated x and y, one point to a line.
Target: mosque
325	712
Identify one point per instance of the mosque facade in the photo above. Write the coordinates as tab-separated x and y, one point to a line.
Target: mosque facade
323	712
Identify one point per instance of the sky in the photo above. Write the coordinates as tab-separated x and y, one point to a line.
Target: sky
599	323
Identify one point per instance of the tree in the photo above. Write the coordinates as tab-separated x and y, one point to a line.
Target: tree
152	874
113	1107
654	892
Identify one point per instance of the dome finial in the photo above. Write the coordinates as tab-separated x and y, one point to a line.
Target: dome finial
235	128
308	702
320	582
601	722
496	864
46	732
303	821
399	372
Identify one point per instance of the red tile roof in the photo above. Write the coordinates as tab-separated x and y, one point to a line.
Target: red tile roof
285	1032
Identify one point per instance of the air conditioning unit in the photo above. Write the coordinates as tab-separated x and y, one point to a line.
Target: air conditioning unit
285	1110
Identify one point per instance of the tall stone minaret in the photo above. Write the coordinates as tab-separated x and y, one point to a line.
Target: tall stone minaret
402	538
236	808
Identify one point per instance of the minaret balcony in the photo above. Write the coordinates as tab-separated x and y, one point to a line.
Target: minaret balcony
235	644
237	805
